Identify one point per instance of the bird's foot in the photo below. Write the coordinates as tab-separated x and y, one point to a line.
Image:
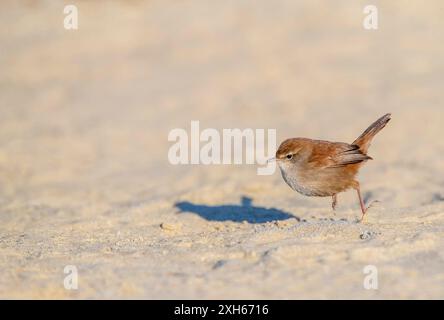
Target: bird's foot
368	207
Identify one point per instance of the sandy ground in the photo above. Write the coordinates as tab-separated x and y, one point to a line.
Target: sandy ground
84	175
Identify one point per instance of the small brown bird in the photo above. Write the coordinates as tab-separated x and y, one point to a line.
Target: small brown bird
322	168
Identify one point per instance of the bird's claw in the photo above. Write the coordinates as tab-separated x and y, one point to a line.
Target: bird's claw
368	207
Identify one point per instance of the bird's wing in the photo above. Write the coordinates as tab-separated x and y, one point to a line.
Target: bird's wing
335	154
350	154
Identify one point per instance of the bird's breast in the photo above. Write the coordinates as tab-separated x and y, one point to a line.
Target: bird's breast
296	182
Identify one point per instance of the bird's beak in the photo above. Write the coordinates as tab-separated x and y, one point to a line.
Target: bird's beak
271	160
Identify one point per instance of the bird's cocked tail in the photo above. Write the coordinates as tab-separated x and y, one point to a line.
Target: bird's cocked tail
364	140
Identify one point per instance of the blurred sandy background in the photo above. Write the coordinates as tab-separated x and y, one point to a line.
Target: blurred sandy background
84	175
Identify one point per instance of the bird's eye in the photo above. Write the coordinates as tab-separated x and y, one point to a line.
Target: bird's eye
289	156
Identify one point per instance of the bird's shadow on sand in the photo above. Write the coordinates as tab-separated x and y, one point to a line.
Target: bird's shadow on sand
237	213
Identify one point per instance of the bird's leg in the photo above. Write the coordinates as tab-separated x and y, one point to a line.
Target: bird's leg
361	202
334	201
